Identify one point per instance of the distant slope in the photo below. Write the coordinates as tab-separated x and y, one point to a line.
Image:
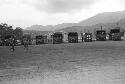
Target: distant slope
107	17
41	28
102	18
49	27
106	26
74	29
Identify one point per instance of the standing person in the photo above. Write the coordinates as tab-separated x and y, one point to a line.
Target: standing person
82	37
12	44
25	43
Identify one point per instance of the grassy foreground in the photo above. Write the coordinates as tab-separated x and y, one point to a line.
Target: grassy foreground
77	63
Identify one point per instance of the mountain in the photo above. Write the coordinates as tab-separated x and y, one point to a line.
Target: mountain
41	28
49	27
102	18
74	29
64	25
106	17
105	26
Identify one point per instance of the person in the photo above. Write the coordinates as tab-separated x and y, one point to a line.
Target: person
82	36
25	41
12	44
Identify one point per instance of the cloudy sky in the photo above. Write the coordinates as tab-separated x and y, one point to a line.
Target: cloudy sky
25	13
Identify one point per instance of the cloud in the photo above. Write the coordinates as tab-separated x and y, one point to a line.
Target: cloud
60	6
53	6
5	2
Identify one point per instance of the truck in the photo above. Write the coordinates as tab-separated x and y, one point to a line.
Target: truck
115	35
101	35
57	37
88	37
72	37
39	39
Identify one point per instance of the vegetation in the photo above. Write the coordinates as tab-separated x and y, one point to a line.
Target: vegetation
6	30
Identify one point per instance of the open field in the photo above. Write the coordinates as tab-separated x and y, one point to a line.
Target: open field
77	63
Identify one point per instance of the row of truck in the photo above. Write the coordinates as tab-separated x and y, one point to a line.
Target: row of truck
73	37
70	37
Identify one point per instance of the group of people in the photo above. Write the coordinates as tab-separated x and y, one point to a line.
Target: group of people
12	43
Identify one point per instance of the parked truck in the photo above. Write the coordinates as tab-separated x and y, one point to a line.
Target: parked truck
101	35
73	37
115	35
39	39
57	37
88	37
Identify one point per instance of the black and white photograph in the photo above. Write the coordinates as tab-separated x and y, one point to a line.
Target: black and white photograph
62	41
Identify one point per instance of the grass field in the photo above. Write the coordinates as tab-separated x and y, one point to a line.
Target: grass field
77	63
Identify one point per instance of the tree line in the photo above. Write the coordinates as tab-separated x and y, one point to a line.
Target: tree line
7	30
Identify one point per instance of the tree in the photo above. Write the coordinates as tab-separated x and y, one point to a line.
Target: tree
5	30
18	32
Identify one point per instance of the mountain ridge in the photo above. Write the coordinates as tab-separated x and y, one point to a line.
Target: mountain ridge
101	18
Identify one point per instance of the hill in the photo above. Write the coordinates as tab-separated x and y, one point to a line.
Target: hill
106	17
102	18
106	26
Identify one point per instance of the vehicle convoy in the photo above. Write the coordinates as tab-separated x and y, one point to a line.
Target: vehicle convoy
73	37
57	37
115	35
88	37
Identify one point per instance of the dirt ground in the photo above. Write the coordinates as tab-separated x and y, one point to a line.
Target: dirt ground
76	63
